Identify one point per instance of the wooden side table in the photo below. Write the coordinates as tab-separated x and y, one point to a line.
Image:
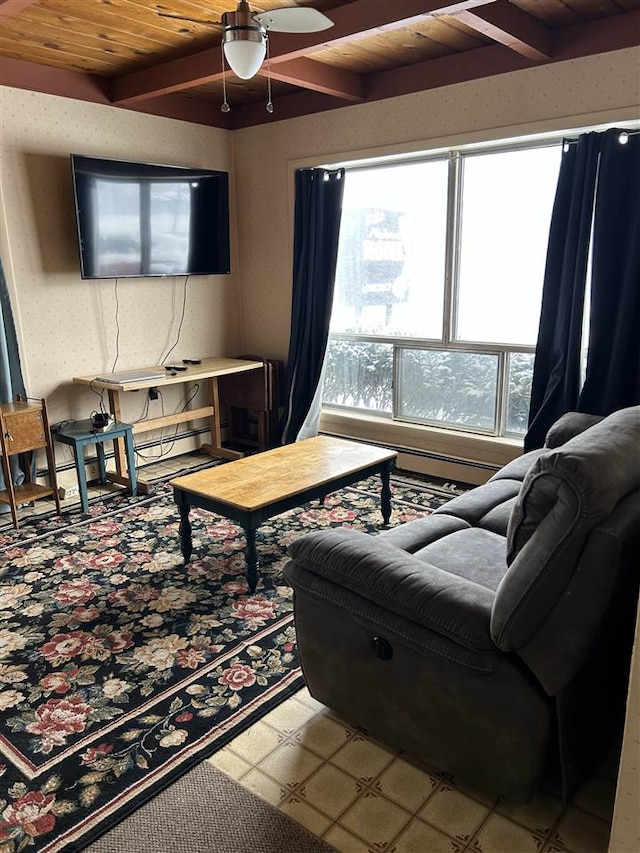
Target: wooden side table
79	434
24	428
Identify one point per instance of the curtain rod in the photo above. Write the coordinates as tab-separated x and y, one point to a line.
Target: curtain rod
622	138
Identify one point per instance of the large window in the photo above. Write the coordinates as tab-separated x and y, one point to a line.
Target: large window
438	288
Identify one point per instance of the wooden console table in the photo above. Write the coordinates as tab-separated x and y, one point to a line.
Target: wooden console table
208	371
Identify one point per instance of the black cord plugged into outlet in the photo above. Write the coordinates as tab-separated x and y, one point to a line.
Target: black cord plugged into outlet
153	393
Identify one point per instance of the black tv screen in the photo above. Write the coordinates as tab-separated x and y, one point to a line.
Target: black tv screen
141	219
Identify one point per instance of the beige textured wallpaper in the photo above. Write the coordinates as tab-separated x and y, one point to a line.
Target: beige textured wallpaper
67	326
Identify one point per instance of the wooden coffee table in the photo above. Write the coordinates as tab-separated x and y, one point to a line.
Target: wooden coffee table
250	490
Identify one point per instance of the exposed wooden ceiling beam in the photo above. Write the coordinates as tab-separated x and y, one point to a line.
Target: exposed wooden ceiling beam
318	77
430	74
362	19
510	26
445	70
615	33
289	106
53	81
585	39
89	87
11	7
356	20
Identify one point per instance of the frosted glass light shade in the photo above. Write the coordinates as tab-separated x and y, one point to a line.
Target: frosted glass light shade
245	57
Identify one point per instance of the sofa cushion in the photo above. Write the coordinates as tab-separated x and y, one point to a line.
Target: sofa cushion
475	554
566	493
595	469
477	504
568	426
497	519
384	575
414	535
518	468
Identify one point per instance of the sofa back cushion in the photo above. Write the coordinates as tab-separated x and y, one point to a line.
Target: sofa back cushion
592	472
567	493
568	426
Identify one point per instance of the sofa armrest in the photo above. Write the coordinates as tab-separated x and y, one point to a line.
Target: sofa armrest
568	426
401	583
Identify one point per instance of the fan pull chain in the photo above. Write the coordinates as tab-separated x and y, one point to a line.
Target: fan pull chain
269	106
225	105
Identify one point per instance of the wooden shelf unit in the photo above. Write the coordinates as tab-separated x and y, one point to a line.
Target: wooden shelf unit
24	428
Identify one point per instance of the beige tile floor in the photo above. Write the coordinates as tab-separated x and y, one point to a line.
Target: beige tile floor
361	796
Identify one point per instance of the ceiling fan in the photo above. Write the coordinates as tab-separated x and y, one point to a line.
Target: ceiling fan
245	33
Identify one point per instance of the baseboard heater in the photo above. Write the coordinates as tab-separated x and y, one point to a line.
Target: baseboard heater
422	454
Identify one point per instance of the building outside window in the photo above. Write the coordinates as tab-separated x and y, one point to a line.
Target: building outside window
439	285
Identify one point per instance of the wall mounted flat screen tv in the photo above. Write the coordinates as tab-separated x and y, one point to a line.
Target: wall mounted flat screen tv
140	219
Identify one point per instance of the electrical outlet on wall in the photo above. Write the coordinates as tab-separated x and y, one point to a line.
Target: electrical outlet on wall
92	471
66	492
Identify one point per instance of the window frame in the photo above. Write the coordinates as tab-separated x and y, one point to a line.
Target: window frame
455	158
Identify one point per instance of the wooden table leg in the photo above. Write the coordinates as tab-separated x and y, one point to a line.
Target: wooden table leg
82	476
121	453
131	462
118	444
215	448
186	544
102	468
252	558
385	492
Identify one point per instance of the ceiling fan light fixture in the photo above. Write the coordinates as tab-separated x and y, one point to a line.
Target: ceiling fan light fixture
244	49
244	41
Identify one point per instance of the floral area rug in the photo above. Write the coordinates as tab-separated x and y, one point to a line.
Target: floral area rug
120	667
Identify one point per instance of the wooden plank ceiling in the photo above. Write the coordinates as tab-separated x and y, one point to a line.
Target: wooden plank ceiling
128	54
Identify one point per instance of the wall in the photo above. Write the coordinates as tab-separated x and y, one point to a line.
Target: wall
66	326
625	827
553	97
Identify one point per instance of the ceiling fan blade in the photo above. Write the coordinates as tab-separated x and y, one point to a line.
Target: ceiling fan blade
293	19
191	20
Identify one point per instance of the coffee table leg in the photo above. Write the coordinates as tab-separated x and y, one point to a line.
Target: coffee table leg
385	494
186	544
252	558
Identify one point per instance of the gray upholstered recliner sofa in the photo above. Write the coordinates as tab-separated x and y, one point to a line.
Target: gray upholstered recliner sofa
491	639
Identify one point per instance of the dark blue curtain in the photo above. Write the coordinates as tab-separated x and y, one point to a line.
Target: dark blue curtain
11	382
591	176
612	378
556	371
318	208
